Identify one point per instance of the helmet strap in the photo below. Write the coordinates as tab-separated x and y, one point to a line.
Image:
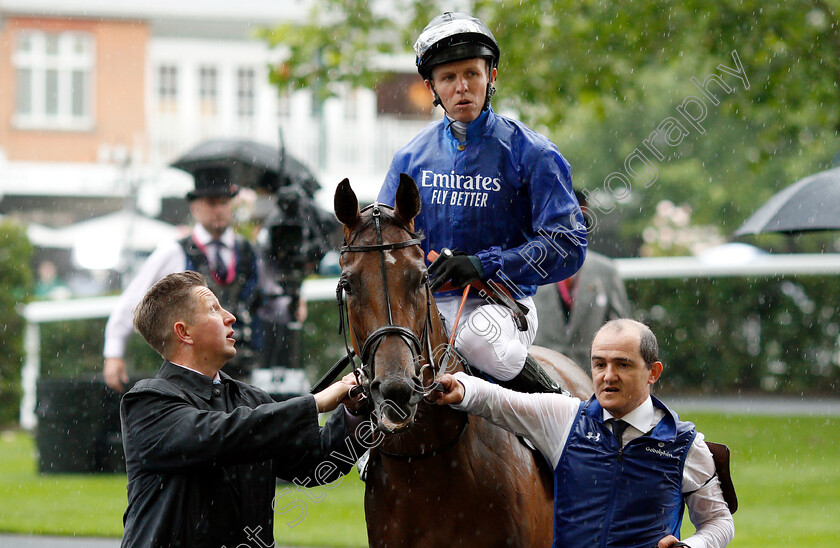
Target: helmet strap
491	91
437	100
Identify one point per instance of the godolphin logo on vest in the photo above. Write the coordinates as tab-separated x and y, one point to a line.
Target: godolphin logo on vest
659	452
460	190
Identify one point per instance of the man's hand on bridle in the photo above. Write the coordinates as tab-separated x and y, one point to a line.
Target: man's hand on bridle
461	269
450	391
357	403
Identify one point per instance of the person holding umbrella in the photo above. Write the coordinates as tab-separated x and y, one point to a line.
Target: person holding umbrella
228	262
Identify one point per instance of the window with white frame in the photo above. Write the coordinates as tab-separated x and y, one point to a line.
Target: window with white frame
167	88
207	90
245	92
54	80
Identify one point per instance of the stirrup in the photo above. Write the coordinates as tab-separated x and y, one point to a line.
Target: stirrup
533	379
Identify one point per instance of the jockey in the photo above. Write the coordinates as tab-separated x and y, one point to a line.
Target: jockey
496	193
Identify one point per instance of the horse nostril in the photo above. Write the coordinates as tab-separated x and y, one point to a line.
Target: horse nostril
416	383
398	392
374	386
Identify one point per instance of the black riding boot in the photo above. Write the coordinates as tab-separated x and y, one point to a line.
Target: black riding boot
532	379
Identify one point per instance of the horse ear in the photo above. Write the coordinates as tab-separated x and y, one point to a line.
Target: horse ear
407	200
346	204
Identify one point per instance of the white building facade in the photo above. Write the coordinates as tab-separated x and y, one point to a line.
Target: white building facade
203	75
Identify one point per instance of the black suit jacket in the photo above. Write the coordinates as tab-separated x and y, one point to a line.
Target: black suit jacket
202	459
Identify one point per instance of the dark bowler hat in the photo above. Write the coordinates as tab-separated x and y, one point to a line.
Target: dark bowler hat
212	182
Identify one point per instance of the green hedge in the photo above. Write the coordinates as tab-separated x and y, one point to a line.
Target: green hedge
776	334
15	287
718	335
322	344
74	349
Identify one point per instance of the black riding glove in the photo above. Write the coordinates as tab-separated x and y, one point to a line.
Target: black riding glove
460	269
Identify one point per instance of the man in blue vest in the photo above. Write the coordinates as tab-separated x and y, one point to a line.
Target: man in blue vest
624	464
493	191
227	261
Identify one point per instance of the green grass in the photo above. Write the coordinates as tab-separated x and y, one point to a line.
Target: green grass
93	504
54	504
786	472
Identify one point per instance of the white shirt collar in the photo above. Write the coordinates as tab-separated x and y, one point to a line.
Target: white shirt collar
216	377
640	418
203	237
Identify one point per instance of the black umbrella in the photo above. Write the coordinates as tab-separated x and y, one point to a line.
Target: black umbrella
299	230
810	204
247	163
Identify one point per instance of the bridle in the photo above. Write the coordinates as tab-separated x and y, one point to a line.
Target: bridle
365	371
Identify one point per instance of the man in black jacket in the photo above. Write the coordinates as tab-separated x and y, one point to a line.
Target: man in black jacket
203	450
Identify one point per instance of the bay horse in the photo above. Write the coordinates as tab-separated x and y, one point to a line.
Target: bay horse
439	477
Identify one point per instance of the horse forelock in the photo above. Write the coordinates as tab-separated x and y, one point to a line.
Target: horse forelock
386	219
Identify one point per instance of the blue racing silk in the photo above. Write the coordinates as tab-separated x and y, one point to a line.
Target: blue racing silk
504	195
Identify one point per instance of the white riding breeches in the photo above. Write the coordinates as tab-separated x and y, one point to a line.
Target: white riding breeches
487	335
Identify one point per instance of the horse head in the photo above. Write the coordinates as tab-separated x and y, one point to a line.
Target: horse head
390	312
